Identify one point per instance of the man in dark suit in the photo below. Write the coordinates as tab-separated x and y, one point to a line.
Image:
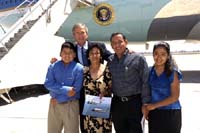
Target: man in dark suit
80	34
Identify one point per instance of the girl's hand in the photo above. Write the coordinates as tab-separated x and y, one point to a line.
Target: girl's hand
145	111
150	107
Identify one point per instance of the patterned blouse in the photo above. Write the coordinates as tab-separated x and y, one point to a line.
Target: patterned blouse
95	87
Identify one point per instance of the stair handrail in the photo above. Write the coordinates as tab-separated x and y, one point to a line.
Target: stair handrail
87	3
30	2
17	9
28	5
22	20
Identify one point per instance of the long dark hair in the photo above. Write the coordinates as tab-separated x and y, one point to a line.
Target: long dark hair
170	63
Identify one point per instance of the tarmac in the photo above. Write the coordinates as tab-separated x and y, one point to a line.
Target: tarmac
28	112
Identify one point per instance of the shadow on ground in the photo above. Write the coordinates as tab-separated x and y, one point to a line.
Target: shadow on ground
191	77
20	93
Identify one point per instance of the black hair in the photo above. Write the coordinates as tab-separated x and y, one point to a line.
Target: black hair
170	63
95	45
69	45
117	33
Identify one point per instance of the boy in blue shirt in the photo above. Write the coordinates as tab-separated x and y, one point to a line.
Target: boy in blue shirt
64	82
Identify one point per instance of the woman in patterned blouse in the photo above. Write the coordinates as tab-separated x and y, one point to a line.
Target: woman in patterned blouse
97	82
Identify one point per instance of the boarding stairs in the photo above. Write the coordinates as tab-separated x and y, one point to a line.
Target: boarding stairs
26	27
21	31
17	36
30	44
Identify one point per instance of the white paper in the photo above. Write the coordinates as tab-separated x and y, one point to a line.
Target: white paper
143	124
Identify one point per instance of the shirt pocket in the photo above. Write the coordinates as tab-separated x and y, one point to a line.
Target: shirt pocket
70	80
130	72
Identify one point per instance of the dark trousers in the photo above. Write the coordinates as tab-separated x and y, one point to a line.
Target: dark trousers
165	121
81	105
127	115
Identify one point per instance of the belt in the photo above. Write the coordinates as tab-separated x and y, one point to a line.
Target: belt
126	98
72	100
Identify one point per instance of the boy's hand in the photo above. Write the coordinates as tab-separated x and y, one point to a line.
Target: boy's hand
71	93
53	101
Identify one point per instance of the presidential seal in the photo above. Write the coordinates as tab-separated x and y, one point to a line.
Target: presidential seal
103	14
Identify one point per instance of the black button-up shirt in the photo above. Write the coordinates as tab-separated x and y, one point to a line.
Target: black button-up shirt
129	75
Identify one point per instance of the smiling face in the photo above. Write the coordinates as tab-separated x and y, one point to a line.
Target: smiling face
119	44
67	55
160	56
80	35
95	55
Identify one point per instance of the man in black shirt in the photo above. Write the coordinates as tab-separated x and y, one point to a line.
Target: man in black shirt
129	86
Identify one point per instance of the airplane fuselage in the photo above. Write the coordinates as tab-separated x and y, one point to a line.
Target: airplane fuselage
139	20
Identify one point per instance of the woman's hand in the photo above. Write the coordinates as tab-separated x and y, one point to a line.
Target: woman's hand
101	96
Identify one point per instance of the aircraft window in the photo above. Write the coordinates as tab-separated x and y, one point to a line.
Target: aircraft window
6	2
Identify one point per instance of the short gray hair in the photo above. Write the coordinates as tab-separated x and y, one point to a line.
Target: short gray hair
80	25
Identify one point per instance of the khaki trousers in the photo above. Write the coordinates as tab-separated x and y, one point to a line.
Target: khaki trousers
63	115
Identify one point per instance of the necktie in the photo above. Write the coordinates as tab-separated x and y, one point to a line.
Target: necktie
84	57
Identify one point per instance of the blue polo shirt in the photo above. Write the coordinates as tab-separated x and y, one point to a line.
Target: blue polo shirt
161	87
60	78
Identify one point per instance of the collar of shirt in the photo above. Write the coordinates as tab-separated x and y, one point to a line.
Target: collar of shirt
124	54
85	46
65	65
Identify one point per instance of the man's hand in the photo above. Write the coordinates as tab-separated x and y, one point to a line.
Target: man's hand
71	93
131	52
53	60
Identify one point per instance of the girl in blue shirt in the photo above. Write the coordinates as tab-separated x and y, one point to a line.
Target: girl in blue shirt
164	80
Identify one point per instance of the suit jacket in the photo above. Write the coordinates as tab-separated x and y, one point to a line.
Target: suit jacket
106	52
